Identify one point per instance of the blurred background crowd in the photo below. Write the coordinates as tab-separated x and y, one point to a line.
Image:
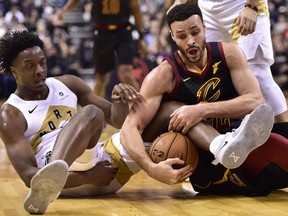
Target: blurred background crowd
69	44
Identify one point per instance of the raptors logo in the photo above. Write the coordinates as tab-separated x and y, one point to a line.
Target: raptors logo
47	157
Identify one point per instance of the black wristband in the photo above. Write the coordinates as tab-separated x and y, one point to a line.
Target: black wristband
252	7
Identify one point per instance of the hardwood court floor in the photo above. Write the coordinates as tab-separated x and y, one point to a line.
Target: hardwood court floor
142	196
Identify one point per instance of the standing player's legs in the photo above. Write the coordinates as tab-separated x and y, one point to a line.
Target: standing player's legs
272	93
125	53
104	60
259	52
101	81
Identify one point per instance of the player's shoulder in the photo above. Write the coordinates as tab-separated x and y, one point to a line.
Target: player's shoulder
161	77
230	46
7	116
163	71
231	49
69	80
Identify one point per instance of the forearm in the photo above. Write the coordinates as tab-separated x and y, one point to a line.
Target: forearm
234	108
118	114
133	144
75	179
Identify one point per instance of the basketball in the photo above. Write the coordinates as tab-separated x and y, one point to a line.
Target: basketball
172	145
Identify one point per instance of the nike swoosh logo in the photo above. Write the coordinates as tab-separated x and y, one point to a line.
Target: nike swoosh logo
31	111
184	80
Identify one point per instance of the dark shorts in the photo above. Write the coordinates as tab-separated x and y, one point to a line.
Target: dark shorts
211	179
265	169
111	48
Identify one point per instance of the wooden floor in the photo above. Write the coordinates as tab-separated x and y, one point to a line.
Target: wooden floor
140	197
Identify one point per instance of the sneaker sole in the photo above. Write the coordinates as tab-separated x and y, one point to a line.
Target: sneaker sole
46	186
256	130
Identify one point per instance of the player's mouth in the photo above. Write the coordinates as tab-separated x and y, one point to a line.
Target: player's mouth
40	82
193	52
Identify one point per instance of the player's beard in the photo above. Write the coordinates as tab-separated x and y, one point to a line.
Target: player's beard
198	57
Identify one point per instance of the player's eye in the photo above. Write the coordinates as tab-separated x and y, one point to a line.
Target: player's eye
29	66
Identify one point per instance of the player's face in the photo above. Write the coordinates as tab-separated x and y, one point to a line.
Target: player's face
30	69
189	35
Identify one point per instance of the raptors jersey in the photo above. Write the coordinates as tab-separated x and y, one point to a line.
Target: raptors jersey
213	84
111	12
44	118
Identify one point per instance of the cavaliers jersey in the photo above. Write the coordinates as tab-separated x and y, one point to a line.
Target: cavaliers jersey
213	84
111	12
44	118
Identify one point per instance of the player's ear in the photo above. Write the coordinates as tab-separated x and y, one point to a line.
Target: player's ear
204	26
172	36
13	71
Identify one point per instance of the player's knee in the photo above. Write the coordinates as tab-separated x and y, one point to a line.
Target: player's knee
93	115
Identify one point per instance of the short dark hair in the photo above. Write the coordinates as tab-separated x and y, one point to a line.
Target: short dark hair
182	12
14	43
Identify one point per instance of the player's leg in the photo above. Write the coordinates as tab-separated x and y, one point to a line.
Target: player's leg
125	53
101	81
46	186
259	52
104	61
281	128
272	93
231	149
81	132
267	166
273	151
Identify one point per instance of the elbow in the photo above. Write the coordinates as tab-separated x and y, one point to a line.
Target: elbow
259	100
255	102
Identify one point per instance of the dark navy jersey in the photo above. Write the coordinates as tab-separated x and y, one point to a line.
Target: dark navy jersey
213	84
111	12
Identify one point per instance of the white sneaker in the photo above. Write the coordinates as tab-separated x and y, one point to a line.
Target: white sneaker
46	186
232	149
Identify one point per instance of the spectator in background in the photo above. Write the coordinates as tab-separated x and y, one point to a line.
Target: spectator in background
14	15
113	42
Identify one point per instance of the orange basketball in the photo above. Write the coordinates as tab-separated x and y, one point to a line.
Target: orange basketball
172	145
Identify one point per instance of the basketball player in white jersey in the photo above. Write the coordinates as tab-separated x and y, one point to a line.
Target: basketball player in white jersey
42	129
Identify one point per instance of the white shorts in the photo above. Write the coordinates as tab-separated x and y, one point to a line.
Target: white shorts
86	161
111	151
219	17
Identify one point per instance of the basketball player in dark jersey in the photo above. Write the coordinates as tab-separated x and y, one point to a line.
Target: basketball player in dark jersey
113	42
217	88
213	86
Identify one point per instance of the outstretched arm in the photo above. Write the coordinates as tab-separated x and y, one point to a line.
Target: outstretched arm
156	83
100	175
122	95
